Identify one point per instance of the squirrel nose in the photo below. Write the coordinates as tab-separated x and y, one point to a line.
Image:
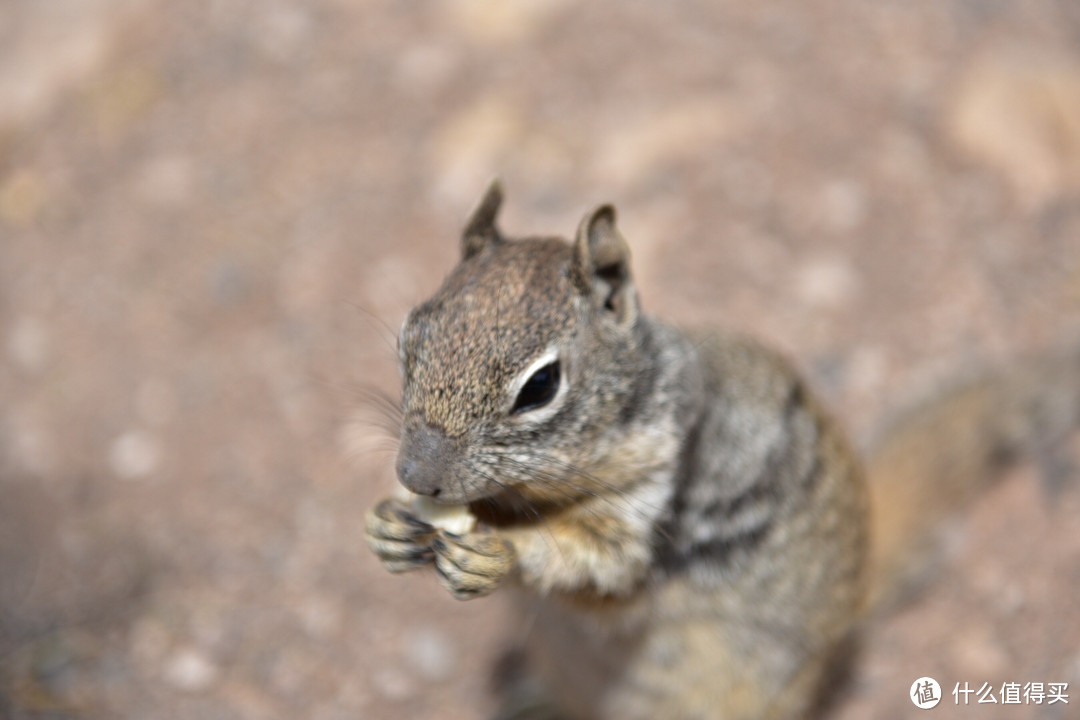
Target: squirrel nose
422	460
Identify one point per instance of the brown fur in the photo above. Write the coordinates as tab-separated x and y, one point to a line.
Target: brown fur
686	525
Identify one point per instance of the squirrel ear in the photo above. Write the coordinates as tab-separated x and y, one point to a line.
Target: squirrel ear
602	264
480	230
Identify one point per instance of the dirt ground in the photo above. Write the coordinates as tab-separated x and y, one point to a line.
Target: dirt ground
214	215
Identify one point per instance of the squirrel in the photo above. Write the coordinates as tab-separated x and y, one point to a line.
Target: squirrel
691	532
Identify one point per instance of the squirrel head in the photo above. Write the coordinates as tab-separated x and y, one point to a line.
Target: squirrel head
520	369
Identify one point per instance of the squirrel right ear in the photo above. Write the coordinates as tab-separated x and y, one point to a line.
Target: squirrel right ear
602	264
480	231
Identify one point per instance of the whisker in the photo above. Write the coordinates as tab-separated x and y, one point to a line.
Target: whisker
564	484
387	408
555	482
527	504
376	423
596	480
567	477
705	338
551	537
388	336
382	400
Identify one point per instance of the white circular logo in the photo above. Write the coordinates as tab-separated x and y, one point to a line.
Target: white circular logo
925	693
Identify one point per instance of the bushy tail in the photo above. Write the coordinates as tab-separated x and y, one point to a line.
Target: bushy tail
937	457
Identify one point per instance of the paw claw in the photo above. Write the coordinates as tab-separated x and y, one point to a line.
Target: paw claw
468	565
401	541
472	565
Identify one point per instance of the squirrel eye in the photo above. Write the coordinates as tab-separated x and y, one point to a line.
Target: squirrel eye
538	389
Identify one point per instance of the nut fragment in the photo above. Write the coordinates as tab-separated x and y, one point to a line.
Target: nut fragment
454	519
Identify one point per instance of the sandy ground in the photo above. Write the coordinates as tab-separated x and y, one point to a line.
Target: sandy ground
214	214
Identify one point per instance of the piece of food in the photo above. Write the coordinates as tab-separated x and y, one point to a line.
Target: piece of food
454	519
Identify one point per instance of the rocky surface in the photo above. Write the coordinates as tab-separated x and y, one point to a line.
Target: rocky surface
214	214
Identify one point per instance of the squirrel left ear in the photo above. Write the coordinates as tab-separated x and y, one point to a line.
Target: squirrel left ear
480	230
602	264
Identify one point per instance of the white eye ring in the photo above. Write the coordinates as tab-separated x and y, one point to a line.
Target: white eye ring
548	357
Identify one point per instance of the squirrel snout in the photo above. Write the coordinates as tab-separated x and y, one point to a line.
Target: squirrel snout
422	460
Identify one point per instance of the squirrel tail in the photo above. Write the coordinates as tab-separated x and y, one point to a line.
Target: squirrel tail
939	455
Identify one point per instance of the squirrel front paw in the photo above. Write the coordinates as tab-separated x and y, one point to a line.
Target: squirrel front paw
473	564
401	540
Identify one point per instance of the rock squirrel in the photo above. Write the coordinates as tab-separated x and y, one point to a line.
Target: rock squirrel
690	529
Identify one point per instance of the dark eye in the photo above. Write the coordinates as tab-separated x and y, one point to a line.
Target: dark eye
538	389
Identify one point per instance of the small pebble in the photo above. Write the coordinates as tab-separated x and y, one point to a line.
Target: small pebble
134	455
190	671
28	344
392	683
430	653
826	282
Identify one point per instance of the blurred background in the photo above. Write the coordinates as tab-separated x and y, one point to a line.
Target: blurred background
214	215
